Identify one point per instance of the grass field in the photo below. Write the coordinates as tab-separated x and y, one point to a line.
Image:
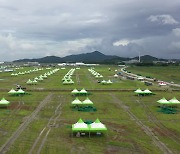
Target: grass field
166	73
133	122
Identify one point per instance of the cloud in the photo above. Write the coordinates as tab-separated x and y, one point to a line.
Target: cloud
11	43
31	29
176	32
164	19
121	42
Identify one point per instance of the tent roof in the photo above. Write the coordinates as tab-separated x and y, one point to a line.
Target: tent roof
87	101
147	91
20	91
163	101
12	91
83	91
138	91
76	101
4	101
174	101
75	91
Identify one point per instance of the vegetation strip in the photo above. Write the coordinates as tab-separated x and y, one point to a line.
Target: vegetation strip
24	125
145	128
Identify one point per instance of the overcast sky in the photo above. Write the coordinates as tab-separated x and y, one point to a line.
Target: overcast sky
38	28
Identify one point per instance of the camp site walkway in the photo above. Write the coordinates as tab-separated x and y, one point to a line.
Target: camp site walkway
145	128
24	125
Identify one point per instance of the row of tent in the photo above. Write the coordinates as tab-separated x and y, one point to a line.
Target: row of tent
84	127
172	101
41	77
67	79
27	72
79	92
104	82
143	92
96	126
87	101
18	92
96	74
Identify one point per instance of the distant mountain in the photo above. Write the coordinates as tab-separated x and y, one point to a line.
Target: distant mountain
48	59
93	57
148	58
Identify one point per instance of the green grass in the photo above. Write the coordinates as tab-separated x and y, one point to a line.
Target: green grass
123	135
166	73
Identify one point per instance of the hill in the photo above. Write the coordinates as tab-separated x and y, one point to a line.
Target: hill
93	57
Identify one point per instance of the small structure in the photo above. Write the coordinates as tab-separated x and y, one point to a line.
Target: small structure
139	91
76	102
75	91
12	92
174	101
83	92
163	101
97	126
87	101
4	102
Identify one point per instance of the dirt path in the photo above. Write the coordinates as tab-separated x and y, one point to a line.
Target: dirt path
161	127
42	137
24	125
145	128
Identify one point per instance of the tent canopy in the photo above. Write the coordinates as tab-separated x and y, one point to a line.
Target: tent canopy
4	102
163	101
174	101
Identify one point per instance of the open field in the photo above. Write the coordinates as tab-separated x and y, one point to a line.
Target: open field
41	121
166	73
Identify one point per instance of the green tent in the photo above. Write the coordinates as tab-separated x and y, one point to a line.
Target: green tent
40	79
80	126
97	126
4	102
35	81
103	82
75	91
147	92
83	91
139	91
12	92
174	101
20	91
163	101
87	101
76	102
29	82
109	82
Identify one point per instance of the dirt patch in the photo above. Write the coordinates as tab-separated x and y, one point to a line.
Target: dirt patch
14	106
111	149
161	132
